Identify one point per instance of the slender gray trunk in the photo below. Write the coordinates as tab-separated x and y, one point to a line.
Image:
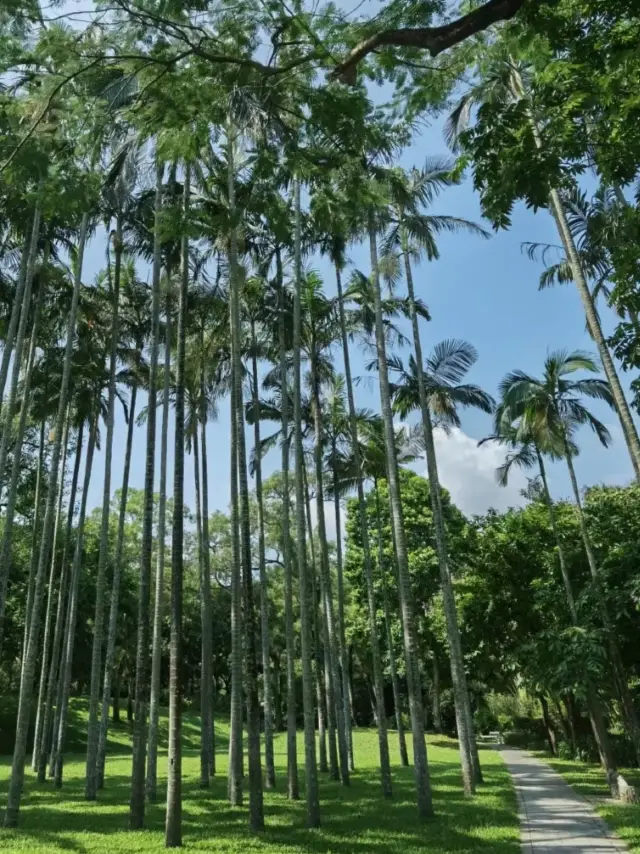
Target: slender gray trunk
402	741
256	806
264	591
293	789
158	606
138	764
471	773
435	705
51	720
334	694
48	623
207	633
72	612
383	741
26	687
420	763
173	825
93	731
112	630
342	648
311	771
19	299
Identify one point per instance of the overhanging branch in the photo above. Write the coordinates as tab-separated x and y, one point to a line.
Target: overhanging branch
432	39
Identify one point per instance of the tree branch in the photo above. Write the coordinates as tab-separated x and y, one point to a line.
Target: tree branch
432	39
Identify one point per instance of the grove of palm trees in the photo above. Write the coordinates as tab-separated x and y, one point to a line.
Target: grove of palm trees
315	516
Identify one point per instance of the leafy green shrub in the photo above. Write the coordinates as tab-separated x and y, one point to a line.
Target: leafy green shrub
484	720
565	751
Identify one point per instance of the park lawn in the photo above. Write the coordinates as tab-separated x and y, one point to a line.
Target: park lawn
354	821
588	779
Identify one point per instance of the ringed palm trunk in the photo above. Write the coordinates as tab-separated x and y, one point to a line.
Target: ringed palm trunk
93	732
293	789
50	721
311	771
112	631
137	803
402	741
471	772
19	299
173	825
158	605
334	694
205	619
342	643
264	591
16	467
620	677
594	703
26	687
256	806
319	671
235	736
66	663
420	764
207	634
48	623
26	314
383	741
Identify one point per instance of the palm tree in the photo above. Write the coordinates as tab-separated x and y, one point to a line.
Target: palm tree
137	803
26	688
256	806
437	391
507	80
421	770
549	410
311	773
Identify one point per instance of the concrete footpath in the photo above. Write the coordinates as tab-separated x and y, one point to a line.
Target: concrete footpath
554	819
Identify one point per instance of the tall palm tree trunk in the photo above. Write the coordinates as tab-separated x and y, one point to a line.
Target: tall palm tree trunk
138	764
235	735
112	630
471	772
256	806
173	825
342	643
293	790
420	764
205	621
334	694
50	720
158	604
397	705
207	633
12	493
319	671
264	590
311	771
66	663
594	703
48	622
26	687
620	677
19	298
26	314
93	731
383	741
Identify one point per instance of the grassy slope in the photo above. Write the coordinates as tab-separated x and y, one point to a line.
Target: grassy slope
355	821
589	781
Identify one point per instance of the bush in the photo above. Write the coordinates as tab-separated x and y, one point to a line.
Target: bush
484	720
524	740
565	751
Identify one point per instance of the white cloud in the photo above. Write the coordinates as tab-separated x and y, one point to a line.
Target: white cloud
468	472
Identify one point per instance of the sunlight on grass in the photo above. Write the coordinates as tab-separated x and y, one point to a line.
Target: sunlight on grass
355	820
589	781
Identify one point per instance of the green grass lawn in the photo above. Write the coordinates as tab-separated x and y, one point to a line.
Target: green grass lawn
354	821
589	780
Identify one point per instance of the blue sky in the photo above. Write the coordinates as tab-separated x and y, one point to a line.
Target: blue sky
485	292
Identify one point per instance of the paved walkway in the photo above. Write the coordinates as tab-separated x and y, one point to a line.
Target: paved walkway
554	819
